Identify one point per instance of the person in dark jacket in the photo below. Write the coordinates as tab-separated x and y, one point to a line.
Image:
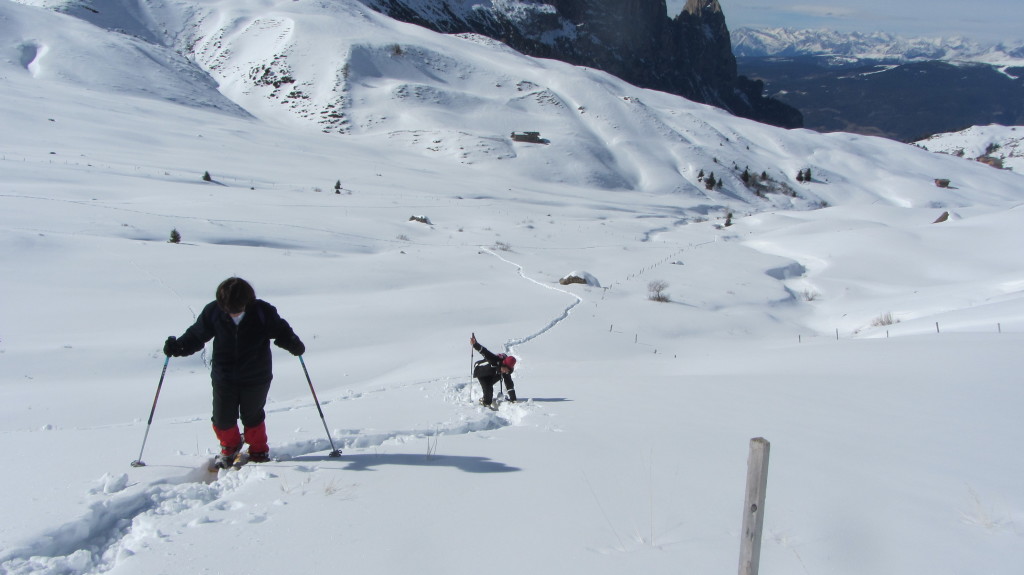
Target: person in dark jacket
241	328
490	369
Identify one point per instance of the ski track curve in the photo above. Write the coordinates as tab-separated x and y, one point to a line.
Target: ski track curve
511	344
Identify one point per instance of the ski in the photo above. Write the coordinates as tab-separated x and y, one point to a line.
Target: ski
494	405
212	466
240	459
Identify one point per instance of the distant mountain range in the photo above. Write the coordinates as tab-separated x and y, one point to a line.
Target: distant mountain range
766	42
884	85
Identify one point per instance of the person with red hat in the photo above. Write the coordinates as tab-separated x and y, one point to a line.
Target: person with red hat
492	368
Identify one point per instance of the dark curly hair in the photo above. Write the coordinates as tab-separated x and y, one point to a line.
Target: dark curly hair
233	294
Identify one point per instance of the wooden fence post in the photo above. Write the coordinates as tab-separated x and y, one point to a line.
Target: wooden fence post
753	506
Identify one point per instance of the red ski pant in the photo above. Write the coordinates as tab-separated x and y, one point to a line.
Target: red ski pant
232	401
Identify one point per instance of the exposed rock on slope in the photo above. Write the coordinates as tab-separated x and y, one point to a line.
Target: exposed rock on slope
689	55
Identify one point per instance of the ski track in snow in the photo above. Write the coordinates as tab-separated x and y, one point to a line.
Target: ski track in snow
107	532
97	541
510	345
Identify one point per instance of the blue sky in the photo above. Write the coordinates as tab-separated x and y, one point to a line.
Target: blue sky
992	20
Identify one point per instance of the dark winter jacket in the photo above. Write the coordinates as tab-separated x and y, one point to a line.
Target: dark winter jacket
488	370
241	353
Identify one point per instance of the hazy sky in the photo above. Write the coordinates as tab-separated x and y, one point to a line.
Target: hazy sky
989	20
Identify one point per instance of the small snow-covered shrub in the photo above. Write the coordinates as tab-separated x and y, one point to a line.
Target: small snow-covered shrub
656	291
884	319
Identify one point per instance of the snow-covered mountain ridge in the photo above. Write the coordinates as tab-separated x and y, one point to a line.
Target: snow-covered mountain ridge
756	42
689	55
344	69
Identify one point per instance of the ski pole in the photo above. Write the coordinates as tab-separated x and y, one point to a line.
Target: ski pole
471	358
138	462
334	450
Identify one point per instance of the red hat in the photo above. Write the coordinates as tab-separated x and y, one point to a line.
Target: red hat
509	362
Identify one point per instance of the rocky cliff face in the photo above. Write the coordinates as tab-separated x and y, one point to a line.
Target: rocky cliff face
689	55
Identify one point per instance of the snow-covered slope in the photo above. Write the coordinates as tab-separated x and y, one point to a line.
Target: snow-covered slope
52	47
876	350
342	68
1000	146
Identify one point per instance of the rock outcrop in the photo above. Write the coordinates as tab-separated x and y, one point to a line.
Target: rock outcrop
689	55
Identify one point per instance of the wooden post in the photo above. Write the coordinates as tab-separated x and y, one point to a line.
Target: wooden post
753	506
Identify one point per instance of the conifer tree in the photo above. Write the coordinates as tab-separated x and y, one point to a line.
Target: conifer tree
710	182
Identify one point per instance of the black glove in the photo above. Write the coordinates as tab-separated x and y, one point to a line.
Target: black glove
293	346
172	347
